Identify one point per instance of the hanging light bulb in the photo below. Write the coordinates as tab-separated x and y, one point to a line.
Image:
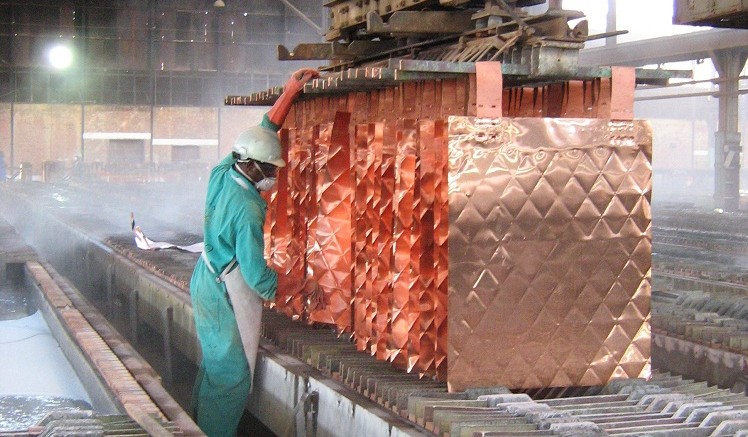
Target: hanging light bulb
60	57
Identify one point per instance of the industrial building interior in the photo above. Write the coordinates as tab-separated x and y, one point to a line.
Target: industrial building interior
523	217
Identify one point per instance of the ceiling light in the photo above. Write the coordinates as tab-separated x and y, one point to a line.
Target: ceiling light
219	4
60	57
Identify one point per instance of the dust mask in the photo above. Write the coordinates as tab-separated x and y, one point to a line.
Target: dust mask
266	184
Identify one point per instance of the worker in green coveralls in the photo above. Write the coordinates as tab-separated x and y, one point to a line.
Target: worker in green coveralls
231	277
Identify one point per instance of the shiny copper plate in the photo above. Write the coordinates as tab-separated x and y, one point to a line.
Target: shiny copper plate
330	254
525	237
549	251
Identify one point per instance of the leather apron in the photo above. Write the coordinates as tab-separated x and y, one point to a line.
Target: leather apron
247	306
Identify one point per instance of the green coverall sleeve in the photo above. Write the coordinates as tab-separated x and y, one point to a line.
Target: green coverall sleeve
266	123
250	243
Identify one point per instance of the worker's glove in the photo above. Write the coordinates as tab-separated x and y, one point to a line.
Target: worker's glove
296	82
279	111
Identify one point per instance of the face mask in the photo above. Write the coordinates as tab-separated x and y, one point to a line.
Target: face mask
266	184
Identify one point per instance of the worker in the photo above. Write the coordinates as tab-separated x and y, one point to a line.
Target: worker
231	277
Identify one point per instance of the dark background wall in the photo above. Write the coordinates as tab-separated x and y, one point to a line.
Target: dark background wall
149	52
146	75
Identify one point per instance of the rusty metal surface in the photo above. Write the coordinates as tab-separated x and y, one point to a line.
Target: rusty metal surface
347	14
419	22
334	50
549	251
713	13
399	72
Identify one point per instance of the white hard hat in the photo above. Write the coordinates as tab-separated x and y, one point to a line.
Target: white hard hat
261	144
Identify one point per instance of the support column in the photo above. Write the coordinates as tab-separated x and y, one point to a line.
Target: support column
611	23
728	63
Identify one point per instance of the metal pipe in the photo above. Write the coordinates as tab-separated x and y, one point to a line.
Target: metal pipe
694	82
676	96
301	15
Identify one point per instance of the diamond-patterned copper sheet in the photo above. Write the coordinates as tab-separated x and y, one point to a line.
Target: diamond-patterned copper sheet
277	233
441	247
384	241
362	301
549	251
371	221
301	216
405	281
331	253
424	330
556	258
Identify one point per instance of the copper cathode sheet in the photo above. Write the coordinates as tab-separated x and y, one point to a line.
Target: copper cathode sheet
553	99
277	234
331	255
574	99
448	98
602	101
299	170
385	241
280	232
424	331
371	215
362	300
315	266
409	99
623	82
441	247
374	283
415	333
430	99
404	279
549	251
527	101
305	214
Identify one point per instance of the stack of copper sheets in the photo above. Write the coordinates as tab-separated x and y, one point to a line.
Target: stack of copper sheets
528	239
